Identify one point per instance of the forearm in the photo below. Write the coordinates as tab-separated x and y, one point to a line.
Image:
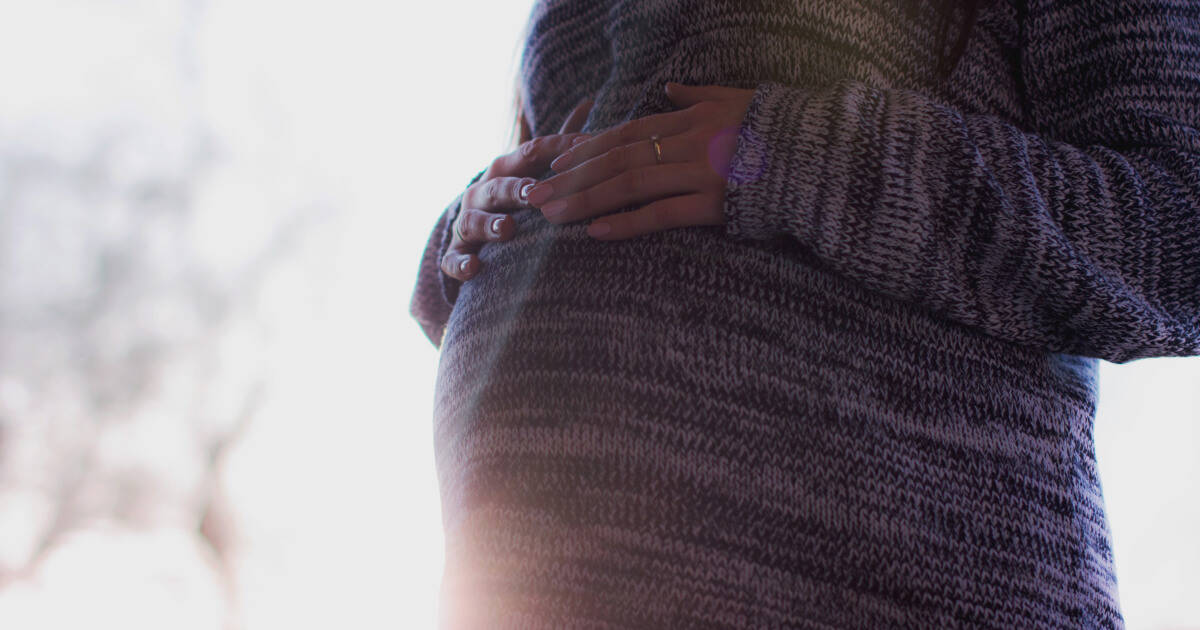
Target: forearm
1084	250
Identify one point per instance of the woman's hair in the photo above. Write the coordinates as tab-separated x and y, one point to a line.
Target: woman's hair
948	10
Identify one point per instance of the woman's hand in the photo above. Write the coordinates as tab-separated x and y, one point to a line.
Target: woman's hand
502	189
619	167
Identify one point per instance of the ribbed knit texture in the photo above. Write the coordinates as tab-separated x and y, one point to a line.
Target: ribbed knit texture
866	401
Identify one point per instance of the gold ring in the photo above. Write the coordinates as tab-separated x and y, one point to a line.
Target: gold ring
654	139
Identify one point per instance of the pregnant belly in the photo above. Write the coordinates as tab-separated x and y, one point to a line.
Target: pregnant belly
622	426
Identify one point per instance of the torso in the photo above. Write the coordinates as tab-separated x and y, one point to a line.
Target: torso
681	430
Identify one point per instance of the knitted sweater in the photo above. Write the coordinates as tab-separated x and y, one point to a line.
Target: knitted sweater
867	400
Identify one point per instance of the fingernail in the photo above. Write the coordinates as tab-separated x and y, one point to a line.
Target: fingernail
462	266
561	162
580	139
555	207
525	191
496	225
598	229
540	193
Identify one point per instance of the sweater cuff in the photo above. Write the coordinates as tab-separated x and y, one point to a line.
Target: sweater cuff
830	167
765	168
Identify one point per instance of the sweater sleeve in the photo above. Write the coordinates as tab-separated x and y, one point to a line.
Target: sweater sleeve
435	292
1080	236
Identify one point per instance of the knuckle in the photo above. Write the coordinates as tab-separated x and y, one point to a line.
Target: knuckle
631	182
478	232
468	227
563	143
485	226
448	266
474	227
529	149
491	192
462	229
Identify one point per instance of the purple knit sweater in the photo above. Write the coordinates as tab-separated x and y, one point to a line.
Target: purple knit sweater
867	400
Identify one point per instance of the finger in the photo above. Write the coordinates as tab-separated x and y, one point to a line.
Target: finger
578	116
638	186
681	148
665	214
500	194
663	125
688	95
476	227
460	266
459	261
471	229
533	157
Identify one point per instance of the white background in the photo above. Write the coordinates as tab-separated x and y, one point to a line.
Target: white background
211	214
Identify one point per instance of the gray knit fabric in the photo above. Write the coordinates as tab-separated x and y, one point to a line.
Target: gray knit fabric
867	400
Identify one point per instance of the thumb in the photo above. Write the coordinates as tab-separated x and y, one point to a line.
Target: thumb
688	95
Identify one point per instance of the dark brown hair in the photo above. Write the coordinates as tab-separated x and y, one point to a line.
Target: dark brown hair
950	11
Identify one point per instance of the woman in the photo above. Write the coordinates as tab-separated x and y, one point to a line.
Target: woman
837	368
